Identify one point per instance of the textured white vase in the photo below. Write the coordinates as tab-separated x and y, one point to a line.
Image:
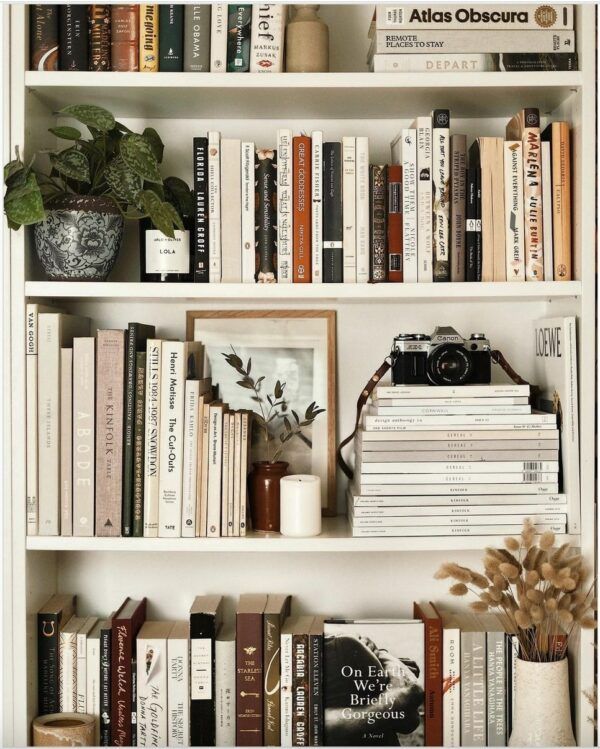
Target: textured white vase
300	505
542	705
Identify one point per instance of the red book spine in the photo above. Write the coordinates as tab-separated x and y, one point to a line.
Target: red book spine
302	209
394	224
249	679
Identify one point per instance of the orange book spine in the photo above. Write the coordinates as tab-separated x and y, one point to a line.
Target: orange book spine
561	203
302	209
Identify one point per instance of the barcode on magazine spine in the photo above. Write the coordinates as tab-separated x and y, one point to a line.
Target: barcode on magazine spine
532	477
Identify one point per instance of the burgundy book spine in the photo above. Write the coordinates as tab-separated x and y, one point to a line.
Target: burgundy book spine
249	679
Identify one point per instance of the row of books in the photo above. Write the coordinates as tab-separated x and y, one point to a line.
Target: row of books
313	211
474	38
273	679
126	437
473	459
151	38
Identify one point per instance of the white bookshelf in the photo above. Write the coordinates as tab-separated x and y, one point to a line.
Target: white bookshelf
333	573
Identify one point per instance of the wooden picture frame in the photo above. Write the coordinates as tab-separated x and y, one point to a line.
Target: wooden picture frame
329	502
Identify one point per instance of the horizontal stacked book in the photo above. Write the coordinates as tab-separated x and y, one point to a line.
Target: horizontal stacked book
478	37
471	460
153	38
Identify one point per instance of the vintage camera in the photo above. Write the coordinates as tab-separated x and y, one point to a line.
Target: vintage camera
445	358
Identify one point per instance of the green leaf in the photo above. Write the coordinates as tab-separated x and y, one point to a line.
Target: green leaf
13	168
90	115
65	132
178	193
24	205
175	218
123	182
154	142
279	389
155	208
72	163
138	156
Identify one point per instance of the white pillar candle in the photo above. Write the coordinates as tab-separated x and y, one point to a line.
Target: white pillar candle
300	505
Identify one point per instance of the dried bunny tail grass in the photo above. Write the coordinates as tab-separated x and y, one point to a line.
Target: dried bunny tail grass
450	569
535	596
500	582
560	553
479	580
523	619
486	598
546	541
527	534
479	607
512	544
530	559
588	623
459	589
510	571
548	571
551	605
564	602
494	593
537	614
532	578
565	617
568	584
563	572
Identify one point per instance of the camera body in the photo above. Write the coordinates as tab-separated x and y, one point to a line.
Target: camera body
444	358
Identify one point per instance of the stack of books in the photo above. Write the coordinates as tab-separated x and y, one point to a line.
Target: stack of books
451	38
444	461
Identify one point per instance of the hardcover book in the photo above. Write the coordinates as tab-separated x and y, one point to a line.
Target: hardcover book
152	684
431	63
409	204
105	681
151	437
125	37
206	617
301	682
201	205
433	672
441	185
88	626
302	191
480	16
473	241
138	444
92	671
394	224
214	206
225	687
285	206
349	208
378	222
238	38
99	26
217	413
315	681
170	38
66	442
249	212
43	22
190	458
196	39
53	615
218	37
513	210
368	665
333	220
84	419
536	61
231	210
450	678
148	38
249	670
266	41
266	215
467	41
547	210
73	35
458	171
557	134
68	664
362	210
276	611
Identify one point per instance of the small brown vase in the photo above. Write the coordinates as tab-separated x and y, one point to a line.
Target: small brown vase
263	485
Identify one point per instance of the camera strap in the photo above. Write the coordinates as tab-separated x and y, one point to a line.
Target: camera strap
496	356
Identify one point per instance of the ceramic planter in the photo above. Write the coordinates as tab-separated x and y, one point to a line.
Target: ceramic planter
263	486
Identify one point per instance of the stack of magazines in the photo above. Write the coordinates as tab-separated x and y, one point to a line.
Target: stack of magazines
445	461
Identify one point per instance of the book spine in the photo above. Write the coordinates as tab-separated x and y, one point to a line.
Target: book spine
125	37
424	207
152	436
202	499
315	644
31	418
317	205
471	225
362	210
83	435
547	211
68	672
394	224
231	210
49	424
138	444
466	42
120	685
66	442
302	190
44	37
451	699
128	423
249	679
218	38
214	206
170	38
284	206
378	223
105	686
238	38
287	691
133	706
433	683
268	25
537	61
215	467
99	37
300	686
409	205
81	679
532	190
266	215
178	691
466	686
152	685
249	213
349	209
196	41
148	38
458	171
272	681
479	690
245	454
48	663
441	194
513	210
73	35
201	243
110	378
496	689
427	63
225	477
190	459
238	479
92	670
225	692
561	201
333	220
230	479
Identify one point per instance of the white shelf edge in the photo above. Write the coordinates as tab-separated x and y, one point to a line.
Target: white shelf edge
291	292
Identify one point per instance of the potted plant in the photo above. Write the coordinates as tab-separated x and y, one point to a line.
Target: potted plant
276	429
541	593
78	205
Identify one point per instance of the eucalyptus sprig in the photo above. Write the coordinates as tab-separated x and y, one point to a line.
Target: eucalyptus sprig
271	406
113	162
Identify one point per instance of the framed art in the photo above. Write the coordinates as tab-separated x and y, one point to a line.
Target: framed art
294	346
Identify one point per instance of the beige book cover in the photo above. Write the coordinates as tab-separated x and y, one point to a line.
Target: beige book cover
231	210
66	442
84	433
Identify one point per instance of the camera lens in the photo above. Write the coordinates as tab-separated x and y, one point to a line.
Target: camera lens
449	365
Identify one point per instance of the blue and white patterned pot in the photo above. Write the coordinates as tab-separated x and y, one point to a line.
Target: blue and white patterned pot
79	239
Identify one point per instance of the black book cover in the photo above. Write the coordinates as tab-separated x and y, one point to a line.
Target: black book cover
200	234
170	38
533	61
206	617
315	657
266	215
333	223
378	222
138	444
471	224
105	656
57	611
478	234
238	38
73	35
134	701
43	26
99	39
137	334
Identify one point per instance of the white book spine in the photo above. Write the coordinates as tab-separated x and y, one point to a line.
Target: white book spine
266	42
92	677
465	530
178	691
458	512
225	692
237	472
203	478
81	678
547	212
245	453
478	467
231	209
68	672
84	417
514	210
152	714
152	437
349	207
317	205
287	692
473	63
230	476
451	693
406	410
424	207
214	203
570	435
31	418
190	459
465	41
362	209
501	401
447	391
440	150
399	479
66	442
453	491
443	504
248	217
452	522
284	206
409	204
225	477
172	403
218	38
49	425
535	421
215	455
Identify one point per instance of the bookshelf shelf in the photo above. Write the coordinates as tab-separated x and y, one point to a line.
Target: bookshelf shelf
189	95
459	292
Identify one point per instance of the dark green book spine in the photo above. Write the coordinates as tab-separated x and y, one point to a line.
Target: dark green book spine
138	444
238	38
170	38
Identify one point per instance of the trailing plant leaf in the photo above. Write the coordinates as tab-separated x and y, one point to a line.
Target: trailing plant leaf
175	217
124	183
155	143
65	132
71	163
157	211
180	195
138	155
24	205
90	115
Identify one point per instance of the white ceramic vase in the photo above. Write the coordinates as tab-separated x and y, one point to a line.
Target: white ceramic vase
542	705
300	505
